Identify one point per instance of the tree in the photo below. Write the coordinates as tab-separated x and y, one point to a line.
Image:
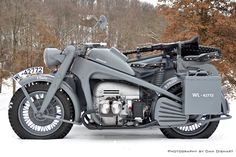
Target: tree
17	23
27	27
213	21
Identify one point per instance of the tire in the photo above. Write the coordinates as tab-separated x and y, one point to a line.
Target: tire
203	131
28	126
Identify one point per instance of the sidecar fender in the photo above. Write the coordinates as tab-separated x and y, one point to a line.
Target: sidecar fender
175	80
65	86
170	83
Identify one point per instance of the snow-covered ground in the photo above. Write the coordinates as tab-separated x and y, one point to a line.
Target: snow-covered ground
146	142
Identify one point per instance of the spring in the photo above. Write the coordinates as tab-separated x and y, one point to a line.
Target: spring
158	77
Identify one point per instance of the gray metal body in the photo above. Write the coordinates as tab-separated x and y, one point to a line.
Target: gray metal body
202	95
86	69
169	112
111	58
109	64
213	72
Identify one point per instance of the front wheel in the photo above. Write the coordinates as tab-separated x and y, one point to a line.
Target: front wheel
27	125
195	130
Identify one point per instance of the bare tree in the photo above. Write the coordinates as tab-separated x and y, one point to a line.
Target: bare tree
29	26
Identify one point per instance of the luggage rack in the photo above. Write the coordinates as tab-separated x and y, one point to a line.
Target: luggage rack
183	48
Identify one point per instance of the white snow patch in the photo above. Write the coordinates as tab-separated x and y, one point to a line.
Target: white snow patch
114	143
153	2
7	86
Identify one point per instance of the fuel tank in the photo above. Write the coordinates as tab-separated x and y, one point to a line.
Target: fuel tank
112	58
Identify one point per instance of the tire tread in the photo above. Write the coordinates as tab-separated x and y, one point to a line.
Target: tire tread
62	131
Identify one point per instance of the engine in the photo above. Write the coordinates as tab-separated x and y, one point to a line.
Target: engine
119	104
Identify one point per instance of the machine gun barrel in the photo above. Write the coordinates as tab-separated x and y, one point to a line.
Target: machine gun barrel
167	47
163	47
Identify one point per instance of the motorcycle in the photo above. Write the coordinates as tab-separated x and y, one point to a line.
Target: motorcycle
178	91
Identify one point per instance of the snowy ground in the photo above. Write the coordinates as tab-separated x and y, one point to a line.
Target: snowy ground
145	142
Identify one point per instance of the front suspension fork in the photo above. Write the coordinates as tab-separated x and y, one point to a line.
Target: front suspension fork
59	76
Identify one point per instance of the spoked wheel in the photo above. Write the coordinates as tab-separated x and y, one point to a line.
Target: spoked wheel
36	124
193	130
28	124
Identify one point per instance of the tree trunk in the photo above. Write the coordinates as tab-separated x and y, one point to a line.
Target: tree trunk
13	59
0	84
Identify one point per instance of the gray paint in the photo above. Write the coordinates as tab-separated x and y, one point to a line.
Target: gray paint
119	54
183	65
103	77
202	95
225	105
169	112
52	57
149	60
213	72
85	69
111	58
176	80
59	76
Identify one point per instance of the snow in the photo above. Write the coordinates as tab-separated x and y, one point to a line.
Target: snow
153	2
145	142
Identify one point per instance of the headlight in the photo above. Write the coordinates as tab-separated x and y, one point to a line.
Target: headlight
52	57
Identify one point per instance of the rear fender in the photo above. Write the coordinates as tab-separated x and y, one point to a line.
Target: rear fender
170	83
225	105
64	86
175	81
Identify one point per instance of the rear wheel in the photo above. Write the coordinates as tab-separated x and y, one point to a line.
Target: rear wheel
194	130
28	125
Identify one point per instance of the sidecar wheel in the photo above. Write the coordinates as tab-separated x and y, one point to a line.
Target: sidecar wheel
27	125
195	130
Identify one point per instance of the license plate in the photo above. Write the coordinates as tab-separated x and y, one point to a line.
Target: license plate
28	72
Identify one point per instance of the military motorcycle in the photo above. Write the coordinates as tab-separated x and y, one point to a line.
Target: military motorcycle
178	91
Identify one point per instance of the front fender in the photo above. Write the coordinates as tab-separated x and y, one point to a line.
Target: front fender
65	86
175	81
